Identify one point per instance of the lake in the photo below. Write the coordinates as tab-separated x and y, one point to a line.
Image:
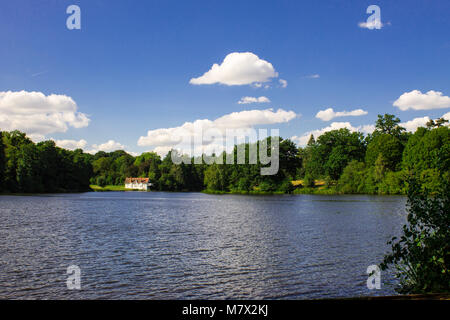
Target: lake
157	245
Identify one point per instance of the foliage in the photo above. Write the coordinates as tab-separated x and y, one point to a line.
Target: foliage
389	147
42	167
329	155
348	162
427	149
388	124
422	254
353	178
2	162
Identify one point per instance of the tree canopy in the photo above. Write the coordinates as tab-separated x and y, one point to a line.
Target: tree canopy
347	162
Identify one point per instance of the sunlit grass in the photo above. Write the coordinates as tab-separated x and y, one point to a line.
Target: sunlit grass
108	188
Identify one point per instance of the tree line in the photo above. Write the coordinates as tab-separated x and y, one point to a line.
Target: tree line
27	167
338	161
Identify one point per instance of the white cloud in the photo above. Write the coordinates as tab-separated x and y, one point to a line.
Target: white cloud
367	128
162	150
374	24
328	114
108	146
36	137
313	76
238	68
165	139
303	139
247	100
446	116
415	123
417	100
38	114
134	154
283	83
71	144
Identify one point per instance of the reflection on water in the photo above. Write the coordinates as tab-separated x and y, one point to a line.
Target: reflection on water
194	246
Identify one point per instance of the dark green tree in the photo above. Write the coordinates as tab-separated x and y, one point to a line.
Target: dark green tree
388	124
428	149
332	152
2	163
422	254
389	147
436	124
353	178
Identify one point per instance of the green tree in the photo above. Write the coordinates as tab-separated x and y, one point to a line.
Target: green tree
428	149
353	178
54	166
289	158
148	165
28	177
389	147
422	254
2	163
332	152
436	124
388	124
214	178
13	142
380	168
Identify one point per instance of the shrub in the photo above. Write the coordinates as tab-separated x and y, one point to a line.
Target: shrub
422	255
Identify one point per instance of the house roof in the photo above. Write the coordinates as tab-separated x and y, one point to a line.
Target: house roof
136	180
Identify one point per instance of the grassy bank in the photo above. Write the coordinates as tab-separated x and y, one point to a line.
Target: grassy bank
262	193
319	188
108	188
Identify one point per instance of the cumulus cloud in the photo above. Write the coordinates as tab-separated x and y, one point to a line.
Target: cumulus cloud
446	116
71	144
283	83
247	100
374	24
303	139
412	125
328	114
108	146
38	114
35	137
165	139
238	68
367	128
417	100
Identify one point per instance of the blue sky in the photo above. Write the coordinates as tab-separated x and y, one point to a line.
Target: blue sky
128	68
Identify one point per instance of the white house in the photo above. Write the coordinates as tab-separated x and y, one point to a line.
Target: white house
137	183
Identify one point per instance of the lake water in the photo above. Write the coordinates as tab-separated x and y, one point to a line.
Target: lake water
156	245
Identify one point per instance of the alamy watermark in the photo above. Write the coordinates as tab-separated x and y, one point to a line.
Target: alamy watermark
74	279
374	279
74	20
374	20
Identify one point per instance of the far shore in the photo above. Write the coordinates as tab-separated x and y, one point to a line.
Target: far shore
320	189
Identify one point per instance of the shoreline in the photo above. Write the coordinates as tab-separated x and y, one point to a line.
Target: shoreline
298	191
